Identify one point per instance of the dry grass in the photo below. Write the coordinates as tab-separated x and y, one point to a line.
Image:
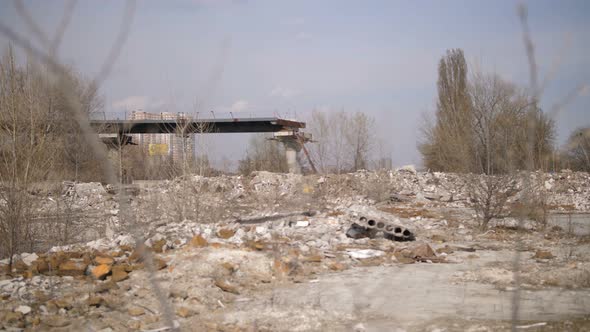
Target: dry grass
410	212
561	207
334	213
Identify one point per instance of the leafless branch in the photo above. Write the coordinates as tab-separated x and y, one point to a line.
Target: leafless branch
31	24
63	25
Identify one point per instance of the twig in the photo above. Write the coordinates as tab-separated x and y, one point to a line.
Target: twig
115	51
75	107
30	22
63	25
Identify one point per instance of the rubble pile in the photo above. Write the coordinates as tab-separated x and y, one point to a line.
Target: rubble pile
217	243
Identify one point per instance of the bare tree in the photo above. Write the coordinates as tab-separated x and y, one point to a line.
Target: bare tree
321	132
77	156
47	56
342	141
498	109
359	138
339	124
263	154
447	143
577	150
26	150
482	124
489	195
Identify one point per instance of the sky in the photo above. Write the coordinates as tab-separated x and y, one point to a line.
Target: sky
287	58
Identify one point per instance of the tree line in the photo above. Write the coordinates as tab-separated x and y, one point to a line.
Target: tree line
485	124
342	142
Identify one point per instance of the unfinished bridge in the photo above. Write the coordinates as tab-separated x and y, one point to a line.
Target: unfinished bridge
288	132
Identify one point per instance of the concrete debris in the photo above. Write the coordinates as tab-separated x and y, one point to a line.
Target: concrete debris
422	251
371	228
543	254
223	248
408	168
523	327
299	223
29	258
23	309
364	253
226	286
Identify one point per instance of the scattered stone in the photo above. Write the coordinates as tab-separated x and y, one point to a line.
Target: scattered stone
226	233
126	247
20	266
438	238
225	286
41	265
322	246
159	263
399	198
158	246
256	245
422	250
543	254
73	254
72	268
184	312
101	271
198	241
408	168
337	266
261	230
300	224
104	259
118	253
119	273
359	328
364	253
446	250
95	301
137	255
23	309
135	311
179	293
13	318
106	286
150	319
28	259
402	258
56	321
313	258
284	267
63	303
134	324
229	267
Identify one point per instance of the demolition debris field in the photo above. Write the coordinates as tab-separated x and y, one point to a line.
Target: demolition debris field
367	251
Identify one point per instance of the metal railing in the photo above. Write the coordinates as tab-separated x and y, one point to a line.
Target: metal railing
129	115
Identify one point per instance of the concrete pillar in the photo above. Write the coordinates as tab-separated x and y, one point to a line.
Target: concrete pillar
292	146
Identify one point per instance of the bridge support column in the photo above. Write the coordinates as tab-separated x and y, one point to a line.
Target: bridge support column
292	147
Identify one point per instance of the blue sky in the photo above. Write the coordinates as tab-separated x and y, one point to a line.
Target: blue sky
265	57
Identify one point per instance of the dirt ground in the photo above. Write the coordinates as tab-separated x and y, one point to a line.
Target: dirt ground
269	252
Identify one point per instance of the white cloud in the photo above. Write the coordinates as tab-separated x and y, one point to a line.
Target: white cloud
283	92
137	103
131	103
240	105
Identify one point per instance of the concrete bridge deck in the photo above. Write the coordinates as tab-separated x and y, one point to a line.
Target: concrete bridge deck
222	125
